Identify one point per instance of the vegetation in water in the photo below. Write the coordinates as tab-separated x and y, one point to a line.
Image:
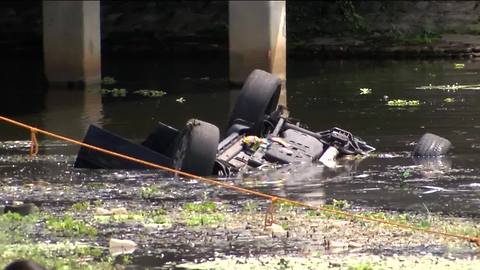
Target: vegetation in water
180	100
365	91
202	213
81	206
148	192
449	100
150	93
424	38
107	80
403	103
70	227
15	228
250	207
61	255
116	92
450	87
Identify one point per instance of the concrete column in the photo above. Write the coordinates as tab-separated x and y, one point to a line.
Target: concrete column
71	42
257	36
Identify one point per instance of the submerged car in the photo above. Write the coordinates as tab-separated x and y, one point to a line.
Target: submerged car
259	132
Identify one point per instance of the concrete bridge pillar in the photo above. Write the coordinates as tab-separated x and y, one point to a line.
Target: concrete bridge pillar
71	42
257	37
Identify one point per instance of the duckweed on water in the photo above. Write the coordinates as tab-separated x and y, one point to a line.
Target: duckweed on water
372	262
453	87
107	80
150	93
63	255
116	92
449	100
16	228
202	213
81	206
148	192
181	100
403	102
365	91
70	227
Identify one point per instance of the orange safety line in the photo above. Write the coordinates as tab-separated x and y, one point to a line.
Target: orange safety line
269	214
475	240
34	142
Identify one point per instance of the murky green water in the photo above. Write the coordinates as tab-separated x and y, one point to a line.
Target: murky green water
322	94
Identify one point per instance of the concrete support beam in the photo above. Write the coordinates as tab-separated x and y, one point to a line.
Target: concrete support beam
257	37
71	42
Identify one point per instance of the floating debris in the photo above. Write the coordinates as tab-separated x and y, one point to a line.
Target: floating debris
403	102
119	246
458	66
433	189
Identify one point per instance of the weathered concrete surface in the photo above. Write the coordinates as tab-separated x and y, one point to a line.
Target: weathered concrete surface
257	40
255	29
71	41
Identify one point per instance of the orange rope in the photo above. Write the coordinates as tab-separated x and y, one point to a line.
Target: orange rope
269	214
34	142
475	240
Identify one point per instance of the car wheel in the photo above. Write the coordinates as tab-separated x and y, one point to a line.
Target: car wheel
431	145
197	148
258	97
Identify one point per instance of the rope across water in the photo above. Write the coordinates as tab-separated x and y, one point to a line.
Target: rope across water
272	198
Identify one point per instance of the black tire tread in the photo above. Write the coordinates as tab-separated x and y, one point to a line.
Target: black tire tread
201	139
259	96
431	145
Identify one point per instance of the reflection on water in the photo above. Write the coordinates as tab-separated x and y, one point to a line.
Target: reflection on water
322	94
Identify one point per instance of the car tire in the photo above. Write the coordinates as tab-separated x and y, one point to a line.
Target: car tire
196	148
258	97
431	145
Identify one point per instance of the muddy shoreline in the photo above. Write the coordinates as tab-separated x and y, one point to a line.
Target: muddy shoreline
183	224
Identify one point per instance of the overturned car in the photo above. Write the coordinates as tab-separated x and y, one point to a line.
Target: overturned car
259	132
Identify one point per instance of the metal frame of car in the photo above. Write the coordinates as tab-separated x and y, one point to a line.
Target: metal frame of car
284	141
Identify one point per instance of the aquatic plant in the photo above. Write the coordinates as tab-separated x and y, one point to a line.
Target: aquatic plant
449	100
116	92
403	103
148	192
202	213
108	80
360	266
150	93
202	207
365	91
250	207
16	228
453	87
61	255
81	206
283	264
69	227
180	100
